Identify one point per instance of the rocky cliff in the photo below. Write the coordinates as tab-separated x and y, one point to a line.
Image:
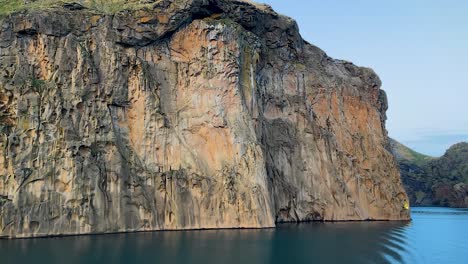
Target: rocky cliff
183	115
434	181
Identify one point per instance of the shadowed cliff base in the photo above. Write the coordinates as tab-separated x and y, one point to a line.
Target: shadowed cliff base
184	115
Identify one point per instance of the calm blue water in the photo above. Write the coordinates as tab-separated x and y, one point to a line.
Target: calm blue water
436	235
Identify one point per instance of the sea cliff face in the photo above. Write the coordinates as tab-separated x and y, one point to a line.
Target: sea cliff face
190	114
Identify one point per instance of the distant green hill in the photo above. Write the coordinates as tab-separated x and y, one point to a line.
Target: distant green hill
434	181
402	152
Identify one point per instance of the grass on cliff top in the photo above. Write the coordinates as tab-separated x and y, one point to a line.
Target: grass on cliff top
104	6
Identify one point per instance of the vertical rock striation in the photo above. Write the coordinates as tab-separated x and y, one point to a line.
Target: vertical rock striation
192	114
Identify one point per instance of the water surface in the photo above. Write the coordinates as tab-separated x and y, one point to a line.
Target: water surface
436	235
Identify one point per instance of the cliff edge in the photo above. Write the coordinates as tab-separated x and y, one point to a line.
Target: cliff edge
184	115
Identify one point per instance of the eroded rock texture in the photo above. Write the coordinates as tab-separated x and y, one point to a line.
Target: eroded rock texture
194	114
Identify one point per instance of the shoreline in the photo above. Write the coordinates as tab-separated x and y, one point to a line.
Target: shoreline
196	229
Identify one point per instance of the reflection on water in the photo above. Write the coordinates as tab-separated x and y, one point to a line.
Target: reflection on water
436	235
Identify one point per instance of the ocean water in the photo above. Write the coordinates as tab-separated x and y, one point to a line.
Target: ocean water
436	235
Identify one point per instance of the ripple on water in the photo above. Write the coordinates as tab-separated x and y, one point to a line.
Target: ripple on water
436	235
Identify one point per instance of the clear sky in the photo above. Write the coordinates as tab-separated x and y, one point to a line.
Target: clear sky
419	48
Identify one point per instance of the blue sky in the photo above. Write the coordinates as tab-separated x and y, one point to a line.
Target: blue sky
419	48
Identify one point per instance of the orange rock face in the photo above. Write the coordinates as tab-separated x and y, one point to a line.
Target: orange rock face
194	115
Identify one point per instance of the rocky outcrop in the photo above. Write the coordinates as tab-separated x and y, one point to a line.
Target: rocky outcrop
191	114
432	181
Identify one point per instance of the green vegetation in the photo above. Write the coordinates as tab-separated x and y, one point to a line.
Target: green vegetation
37	85
103	6
11	6
435	181
402	152
453	165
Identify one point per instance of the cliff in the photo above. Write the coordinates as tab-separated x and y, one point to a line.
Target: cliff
435	181
184	115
